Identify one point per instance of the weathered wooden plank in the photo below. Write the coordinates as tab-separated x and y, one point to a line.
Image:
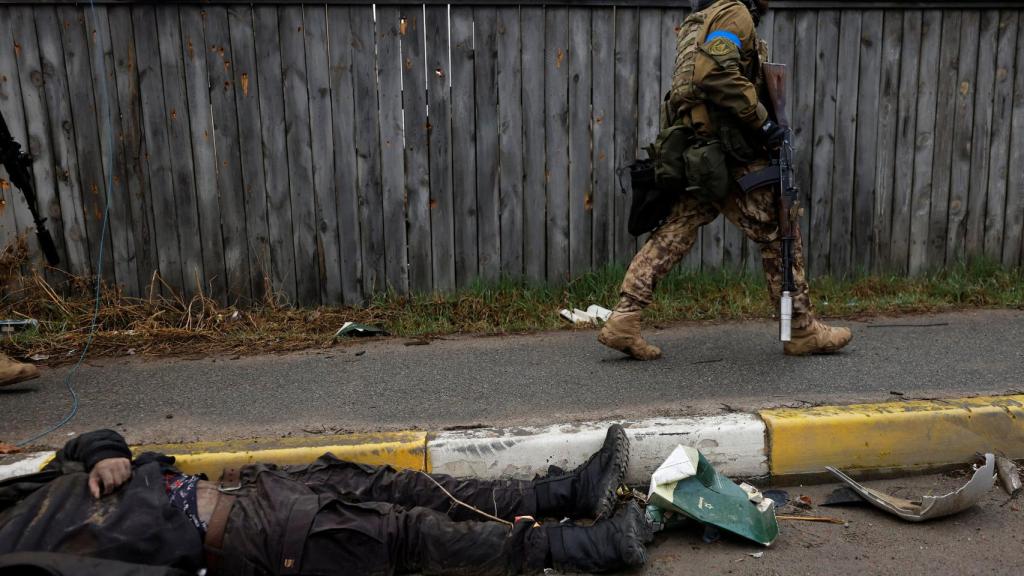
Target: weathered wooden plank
299	155
627	47
906	138
766	30
442	235
510	141
945	113
275	154
12	200
580	153
868	90
963	128
321	130
485	76
844	164
389	79
606	185
179	135
927	93
885	168
246	89
534	227
204	167
230	184
556	127
344	161
156	149
824	142
87	133
25	48
1002	113
110	128
1013	240
463	146
417	151
805	42
981	143
649	87
124	69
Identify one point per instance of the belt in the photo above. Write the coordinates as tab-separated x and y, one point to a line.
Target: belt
214	544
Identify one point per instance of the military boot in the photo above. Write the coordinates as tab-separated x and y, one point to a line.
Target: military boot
611	544
622	332
818	338
12	372
589	490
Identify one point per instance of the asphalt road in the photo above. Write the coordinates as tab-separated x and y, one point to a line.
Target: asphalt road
518	380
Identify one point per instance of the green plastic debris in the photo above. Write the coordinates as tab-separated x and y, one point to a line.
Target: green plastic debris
687	484
354	329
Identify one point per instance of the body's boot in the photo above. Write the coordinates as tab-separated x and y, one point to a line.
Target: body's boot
818	338
622	332
611	544
589	491
12	372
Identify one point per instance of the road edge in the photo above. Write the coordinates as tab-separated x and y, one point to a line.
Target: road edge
885	438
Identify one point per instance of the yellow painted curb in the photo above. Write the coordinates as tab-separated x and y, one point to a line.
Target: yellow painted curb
911	435
398	449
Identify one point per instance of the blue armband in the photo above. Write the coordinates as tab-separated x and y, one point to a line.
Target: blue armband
724	34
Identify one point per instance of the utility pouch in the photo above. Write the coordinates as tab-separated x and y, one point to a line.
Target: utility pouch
668	152
707	171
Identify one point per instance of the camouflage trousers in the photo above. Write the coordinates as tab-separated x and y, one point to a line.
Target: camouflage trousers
755	213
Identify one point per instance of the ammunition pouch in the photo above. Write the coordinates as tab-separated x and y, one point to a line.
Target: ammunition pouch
707	171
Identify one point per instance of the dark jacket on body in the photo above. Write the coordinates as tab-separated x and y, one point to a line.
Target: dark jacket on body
53	512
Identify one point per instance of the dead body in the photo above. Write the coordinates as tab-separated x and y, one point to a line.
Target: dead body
143	516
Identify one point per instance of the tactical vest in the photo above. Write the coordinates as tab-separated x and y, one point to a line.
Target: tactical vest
686	101
685	94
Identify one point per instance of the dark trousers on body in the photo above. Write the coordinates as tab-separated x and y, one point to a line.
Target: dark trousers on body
335	517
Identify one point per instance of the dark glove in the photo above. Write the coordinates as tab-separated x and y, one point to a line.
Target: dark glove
772	134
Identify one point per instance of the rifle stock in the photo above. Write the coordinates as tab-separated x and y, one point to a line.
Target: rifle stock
775	79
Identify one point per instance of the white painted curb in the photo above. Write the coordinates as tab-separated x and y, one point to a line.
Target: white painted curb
25	464
735	444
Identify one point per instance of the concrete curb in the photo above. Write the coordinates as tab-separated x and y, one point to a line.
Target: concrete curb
910	436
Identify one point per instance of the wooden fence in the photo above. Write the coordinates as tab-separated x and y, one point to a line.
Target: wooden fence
332	150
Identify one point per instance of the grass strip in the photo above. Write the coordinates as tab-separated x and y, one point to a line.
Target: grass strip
162	325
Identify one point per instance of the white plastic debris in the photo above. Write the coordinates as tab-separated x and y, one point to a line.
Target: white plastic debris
594	315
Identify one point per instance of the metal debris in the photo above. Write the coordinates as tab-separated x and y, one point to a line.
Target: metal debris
929	507
1009	476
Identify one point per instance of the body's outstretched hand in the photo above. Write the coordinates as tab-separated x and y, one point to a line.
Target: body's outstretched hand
108	475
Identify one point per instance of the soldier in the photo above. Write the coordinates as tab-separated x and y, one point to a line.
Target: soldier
12	372
715	91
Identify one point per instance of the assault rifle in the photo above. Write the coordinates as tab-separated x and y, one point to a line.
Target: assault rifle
780	174
19	170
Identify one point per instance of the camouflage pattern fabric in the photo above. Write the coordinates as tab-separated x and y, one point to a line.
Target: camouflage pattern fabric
755	213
